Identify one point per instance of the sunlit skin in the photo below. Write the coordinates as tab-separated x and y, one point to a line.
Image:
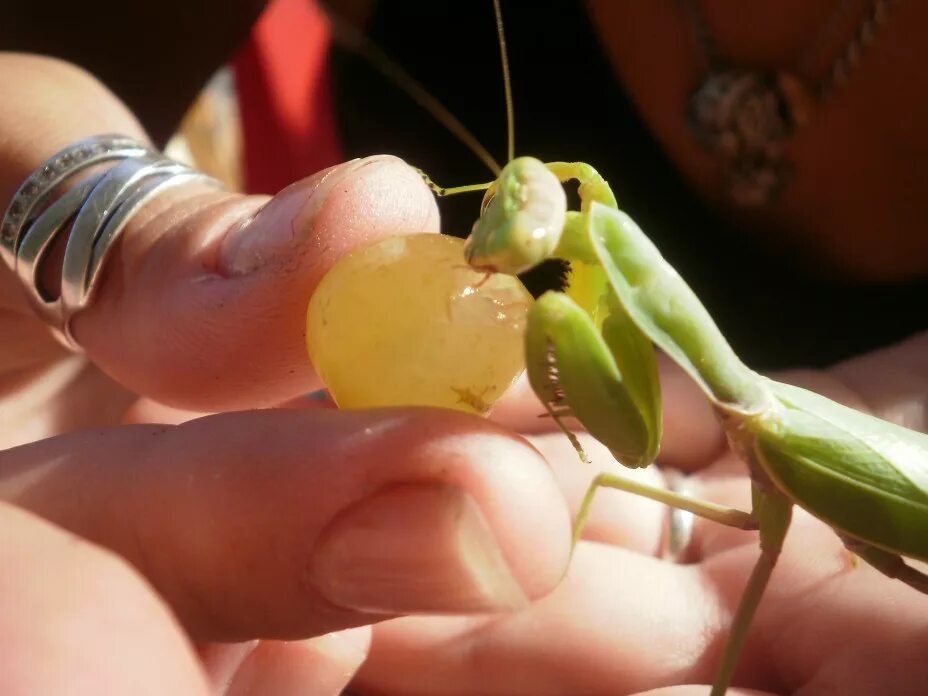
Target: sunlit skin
621	621
857	205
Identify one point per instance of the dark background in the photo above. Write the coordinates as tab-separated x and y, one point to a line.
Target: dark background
569	106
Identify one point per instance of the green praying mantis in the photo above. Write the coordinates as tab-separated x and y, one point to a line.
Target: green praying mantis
590	355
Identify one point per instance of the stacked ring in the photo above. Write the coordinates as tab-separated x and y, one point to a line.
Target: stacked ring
94	211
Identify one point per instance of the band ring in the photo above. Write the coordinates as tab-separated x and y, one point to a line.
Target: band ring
678	533
94	211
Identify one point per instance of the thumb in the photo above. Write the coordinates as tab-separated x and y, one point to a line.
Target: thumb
201	303
204	305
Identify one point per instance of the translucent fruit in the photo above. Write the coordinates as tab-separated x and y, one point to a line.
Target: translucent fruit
405	322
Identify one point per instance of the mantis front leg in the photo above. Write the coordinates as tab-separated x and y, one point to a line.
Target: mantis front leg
607	378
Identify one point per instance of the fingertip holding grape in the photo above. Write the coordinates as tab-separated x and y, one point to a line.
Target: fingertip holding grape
406	322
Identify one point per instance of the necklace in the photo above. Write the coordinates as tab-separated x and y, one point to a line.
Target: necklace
747	116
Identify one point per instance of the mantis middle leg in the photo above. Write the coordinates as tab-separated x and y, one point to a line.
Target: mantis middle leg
731	517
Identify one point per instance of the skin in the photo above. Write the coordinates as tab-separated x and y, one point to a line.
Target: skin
849	220
615	582
210	559
619	609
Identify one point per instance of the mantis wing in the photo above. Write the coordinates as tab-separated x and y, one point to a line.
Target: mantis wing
905	451
864	476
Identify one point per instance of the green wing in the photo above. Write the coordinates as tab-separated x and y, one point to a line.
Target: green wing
905	451
864	476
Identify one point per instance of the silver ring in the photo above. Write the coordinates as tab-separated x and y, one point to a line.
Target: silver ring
100	205
678	533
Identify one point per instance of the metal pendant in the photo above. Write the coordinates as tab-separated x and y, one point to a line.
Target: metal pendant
747	118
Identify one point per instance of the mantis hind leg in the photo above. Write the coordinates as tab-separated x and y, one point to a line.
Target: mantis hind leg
890	564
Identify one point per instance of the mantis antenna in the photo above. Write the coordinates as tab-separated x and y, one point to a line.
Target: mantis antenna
354	40
507	84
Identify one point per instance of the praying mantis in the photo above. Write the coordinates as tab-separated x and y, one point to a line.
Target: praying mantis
590	355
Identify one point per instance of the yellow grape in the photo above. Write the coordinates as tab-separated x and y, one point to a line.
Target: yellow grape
405	322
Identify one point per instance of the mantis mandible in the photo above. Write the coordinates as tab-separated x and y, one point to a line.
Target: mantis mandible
590	355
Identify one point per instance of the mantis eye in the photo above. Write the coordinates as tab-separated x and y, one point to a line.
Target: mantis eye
522	219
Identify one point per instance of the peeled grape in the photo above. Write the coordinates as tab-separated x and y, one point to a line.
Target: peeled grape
405	322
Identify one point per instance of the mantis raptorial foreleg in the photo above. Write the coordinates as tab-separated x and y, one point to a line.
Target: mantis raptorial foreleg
593	187
568	356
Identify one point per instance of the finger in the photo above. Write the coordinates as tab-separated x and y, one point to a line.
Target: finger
322	666
619	623
637	523
616	517
202	302
150	411
692	438
289	523
889	383
77	619
725	483
521	410
851	630
625	623
211	313
45	105
696	690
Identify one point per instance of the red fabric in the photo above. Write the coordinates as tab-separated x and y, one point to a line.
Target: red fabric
285	96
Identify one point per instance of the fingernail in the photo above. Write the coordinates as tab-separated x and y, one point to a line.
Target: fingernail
278	230
414	548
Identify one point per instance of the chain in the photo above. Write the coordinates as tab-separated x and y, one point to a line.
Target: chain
746	116
855	47
840	68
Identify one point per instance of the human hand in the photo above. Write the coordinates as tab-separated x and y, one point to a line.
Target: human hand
77	619
624	621
263	532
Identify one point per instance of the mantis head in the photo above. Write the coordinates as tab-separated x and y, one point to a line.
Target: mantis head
521	219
